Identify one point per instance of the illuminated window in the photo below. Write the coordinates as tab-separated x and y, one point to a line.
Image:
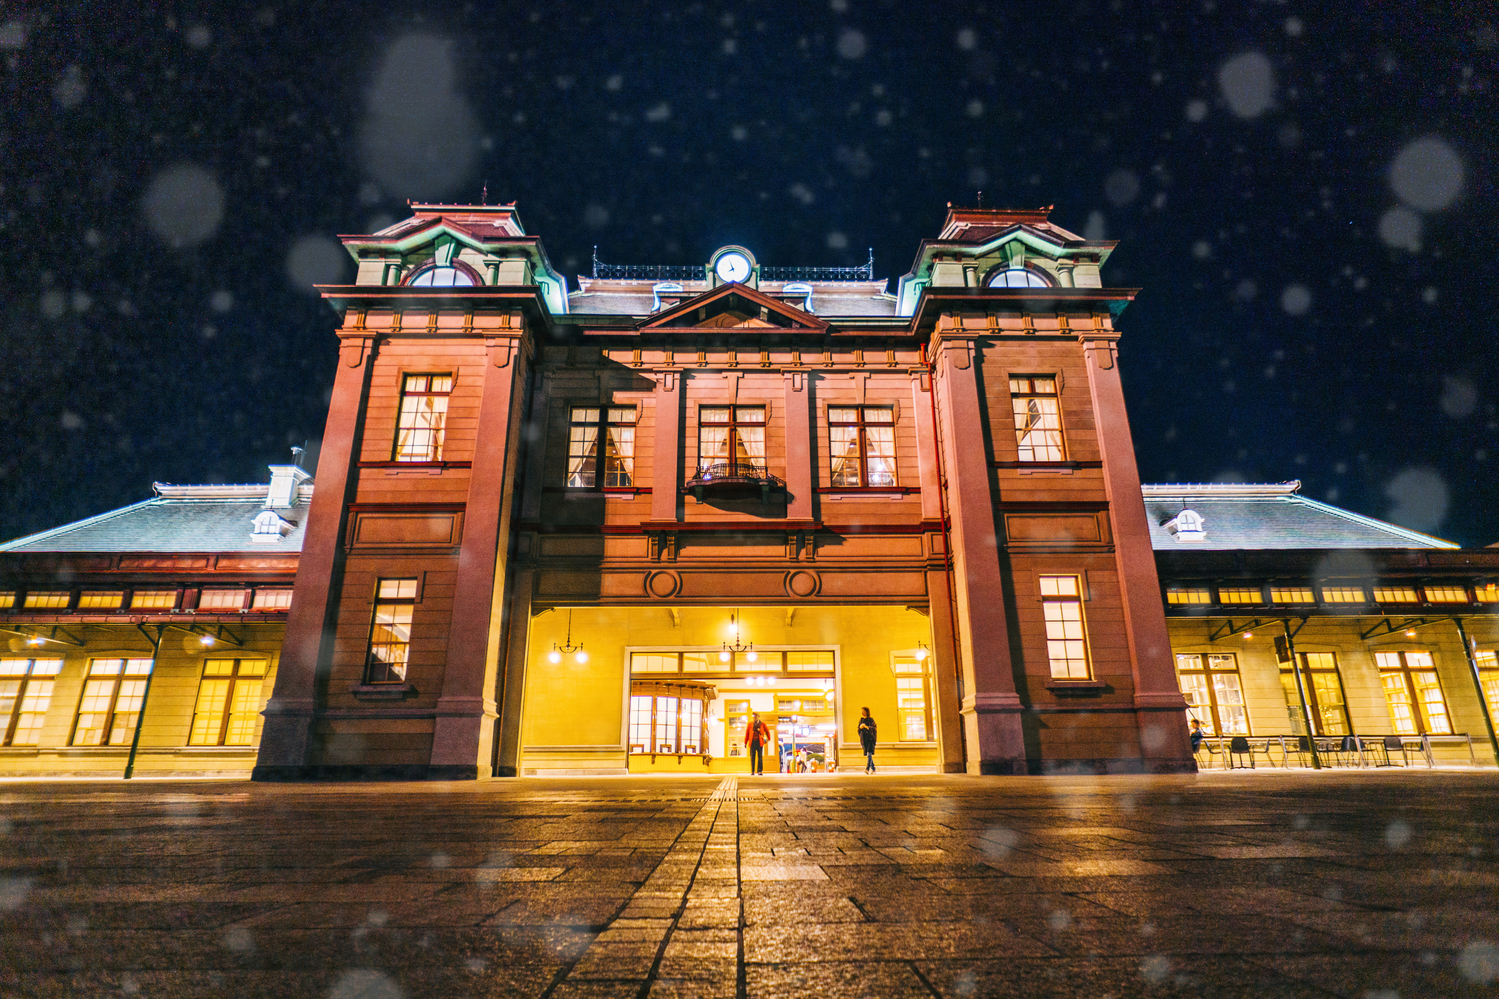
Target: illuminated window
1210	683
1488	593
228	703
1324	692
111	702
269	600
441	277
817	660
1188	595
1018	277
57	600
1240	595
1488	675
100	599
153	599
1066	642
730	441
1395	595
861	445
668	718
222	599
7	600
1413	694
616	424
25	696
1445	594
1038	418
1292	595
666	725
913	699
655	662
1343	594
390	634
422	424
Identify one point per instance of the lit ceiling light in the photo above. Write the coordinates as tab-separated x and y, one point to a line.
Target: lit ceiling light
1248	635
921	652
1410	633
205	640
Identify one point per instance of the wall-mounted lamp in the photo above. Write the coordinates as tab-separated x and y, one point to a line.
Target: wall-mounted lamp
922	652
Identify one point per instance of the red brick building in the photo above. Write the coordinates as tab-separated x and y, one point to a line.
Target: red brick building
719	479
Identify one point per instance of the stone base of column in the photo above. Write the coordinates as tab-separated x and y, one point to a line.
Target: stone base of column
285	737
358	772
996	740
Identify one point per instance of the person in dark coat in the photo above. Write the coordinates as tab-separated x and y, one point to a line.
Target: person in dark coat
867	734
1197	734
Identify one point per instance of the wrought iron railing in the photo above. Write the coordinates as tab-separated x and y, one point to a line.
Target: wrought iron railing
698	272
734	478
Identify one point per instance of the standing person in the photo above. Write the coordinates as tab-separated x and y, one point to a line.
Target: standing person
756	735
867	732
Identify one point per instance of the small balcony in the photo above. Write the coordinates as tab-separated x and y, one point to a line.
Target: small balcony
737	480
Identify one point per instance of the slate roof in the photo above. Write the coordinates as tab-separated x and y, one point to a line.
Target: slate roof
1248	516
186	519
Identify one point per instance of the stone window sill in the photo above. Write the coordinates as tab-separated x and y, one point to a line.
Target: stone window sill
382	691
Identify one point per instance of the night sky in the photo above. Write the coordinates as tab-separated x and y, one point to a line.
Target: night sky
1305	192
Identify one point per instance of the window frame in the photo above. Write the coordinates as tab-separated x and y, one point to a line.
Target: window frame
111	712
1062	600
922	674
403	451
656	692
1033	273
1208	671
1313	700
600	460
1404	670
862	424
1024	431
410	279
734	424
399	600
1488	677
234	678
10	722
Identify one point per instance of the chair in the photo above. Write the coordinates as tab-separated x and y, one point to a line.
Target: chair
1208	747
1239	746
1298	745
1396	743
1349	746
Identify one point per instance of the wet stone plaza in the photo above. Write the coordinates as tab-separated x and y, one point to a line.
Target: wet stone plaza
1243	884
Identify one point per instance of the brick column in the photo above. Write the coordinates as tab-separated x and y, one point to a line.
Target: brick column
463	733
991	706
1159	706
285	741
517	660
799	445
666	466
944	650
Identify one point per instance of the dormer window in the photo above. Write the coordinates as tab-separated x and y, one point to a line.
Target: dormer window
1188	526
1018	277
670	287
441	277
804	290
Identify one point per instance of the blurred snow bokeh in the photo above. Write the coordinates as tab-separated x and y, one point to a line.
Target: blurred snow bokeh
184	205
1420	498
420	139
1248	84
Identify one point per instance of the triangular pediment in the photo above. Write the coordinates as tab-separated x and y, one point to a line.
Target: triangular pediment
735	306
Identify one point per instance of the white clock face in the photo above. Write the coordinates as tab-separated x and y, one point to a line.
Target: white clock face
732	267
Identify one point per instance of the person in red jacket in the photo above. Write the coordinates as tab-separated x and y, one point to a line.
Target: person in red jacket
756	736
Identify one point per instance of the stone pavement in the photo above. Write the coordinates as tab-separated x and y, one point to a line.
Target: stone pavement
1370	885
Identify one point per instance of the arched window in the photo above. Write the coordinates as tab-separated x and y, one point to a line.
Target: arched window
1018	277
441	277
